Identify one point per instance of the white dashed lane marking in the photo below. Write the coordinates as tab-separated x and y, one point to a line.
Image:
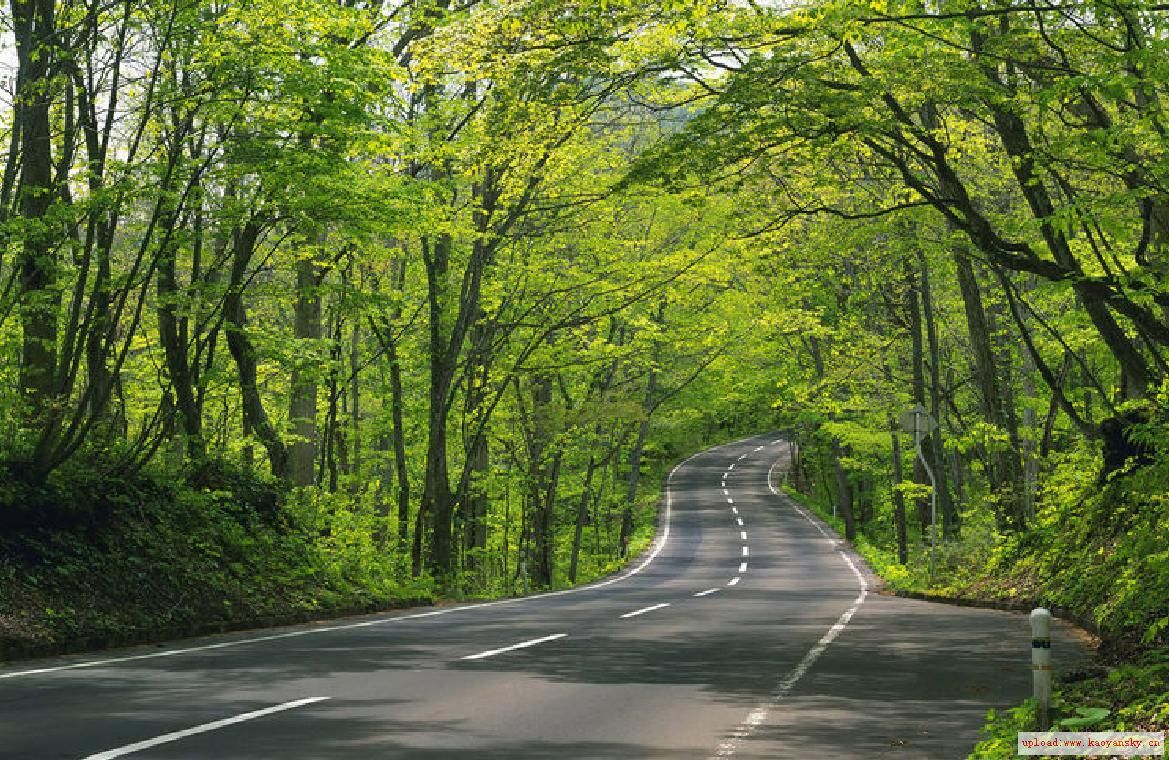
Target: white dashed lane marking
130	749
708	592
644	610
742	533
513	647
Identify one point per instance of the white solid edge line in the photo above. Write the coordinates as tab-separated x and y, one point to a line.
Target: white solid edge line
658	547
644	610
708	592
733	581
759	715
742	567
513	647
204	728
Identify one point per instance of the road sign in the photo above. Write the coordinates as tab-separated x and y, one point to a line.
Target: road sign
917	420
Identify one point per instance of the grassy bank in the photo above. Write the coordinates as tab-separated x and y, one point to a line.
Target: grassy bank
89	560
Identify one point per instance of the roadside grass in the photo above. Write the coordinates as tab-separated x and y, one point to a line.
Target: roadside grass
91	560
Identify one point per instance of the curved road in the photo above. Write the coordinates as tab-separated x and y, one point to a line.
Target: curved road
748	631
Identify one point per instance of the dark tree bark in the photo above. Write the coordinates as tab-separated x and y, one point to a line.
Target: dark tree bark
945	501
452	313
397	414
1005	470
34	27
543	477
173	335
899	498
843	490
917	360
244	353
582	517
302	405
473	495
635	455
437	509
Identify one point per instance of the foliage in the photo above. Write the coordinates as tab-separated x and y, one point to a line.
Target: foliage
1127	697
152	559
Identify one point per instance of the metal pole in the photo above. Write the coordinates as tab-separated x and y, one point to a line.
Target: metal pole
1041	664
917	437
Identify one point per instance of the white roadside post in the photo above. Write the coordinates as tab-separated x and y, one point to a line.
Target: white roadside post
1041	663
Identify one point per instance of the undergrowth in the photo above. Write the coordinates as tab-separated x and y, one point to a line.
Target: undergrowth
89	558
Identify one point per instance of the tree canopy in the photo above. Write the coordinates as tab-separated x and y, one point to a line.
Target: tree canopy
459	279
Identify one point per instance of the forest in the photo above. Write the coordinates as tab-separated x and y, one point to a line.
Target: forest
332	305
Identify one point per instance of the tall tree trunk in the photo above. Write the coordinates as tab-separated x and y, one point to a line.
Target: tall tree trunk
945	501
451	320
302	405
473	491
333	453
355	400
33	24
389	339
917	359
543	476
244	353
173	335
397	414
1004	470
635	454
899	498
582	517
843	490
437	508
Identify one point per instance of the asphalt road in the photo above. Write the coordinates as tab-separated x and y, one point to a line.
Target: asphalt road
748	631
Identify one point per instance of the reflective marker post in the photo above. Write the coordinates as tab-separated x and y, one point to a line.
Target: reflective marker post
1041	663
